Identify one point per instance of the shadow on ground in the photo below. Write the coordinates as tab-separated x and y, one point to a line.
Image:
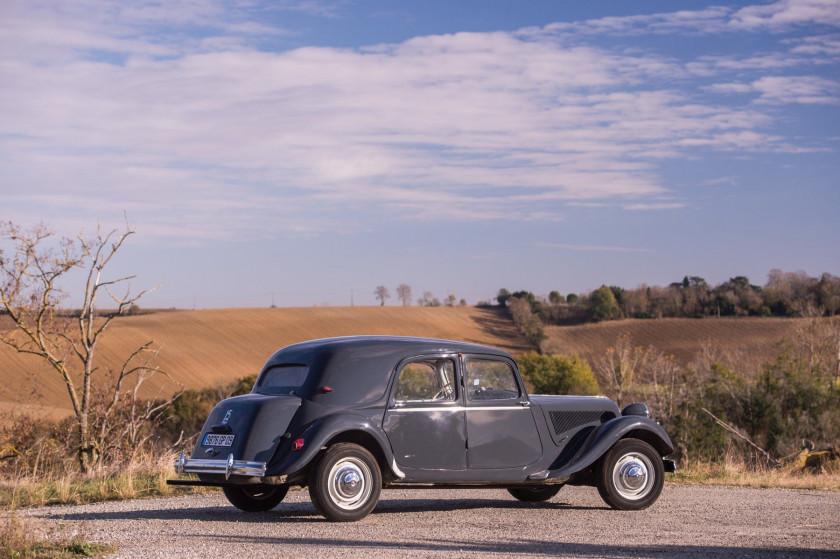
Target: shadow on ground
305	512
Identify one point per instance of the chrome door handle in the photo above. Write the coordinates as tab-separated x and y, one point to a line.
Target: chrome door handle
525	404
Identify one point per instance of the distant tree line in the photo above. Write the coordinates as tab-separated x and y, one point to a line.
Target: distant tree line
427	300
784	294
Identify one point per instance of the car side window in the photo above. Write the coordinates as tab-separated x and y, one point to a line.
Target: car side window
491	380
426	380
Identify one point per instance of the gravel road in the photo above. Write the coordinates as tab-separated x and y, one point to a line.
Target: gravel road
687	521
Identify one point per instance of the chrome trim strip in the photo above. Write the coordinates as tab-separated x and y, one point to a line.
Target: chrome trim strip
228	466
462	408
396	469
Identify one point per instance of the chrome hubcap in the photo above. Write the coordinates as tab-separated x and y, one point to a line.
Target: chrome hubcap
632	476
349	486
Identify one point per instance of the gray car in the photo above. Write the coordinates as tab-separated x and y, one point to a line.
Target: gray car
347	417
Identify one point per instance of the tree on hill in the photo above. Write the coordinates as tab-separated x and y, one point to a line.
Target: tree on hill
381	292
404	294
603	305
502	297
32	265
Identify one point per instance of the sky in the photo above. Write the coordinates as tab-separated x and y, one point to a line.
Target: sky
303	152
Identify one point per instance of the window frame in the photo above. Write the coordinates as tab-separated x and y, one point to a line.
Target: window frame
456	382
514	370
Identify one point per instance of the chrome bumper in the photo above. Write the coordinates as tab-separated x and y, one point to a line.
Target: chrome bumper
229	467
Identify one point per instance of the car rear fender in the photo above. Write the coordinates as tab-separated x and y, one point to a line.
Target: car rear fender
610	433
344	427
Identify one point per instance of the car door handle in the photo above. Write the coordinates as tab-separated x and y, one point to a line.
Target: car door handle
525	404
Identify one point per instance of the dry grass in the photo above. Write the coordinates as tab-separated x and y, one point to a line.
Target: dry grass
215	347
146	479
24	537
733	472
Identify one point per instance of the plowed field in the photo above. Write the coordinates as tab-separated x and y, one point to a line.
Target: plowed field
213	347
681	337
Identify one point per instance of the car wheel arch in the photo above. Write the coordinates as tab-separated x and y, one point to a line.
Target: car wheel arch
370	443
651	438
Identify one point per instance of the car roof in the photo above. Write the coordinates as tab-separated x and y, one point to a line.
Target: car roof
355	344
359	368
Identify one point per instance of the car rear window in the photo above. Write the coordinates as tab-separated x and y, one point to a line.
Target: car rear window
283	379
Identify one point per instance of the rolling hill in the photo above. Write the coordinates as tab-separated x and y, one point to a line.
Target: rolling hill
680	337
213	347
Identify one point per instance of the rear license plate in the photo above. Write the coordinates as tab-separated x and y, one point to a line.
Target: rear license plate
211	439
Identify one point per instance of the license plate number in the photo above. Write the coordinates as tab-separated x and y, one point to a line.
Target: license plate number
211	439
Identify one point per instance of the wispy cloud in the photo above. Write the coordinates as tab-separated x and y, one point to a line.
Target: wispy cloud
787	13
654	206
777	16
786	89
591	248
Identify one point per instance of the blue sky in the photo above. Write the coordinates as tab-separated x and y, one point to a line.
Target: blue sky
302	150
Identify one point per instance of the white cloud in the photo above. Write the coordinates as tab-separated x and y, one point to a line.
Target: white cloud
820	45
777	16
786	89
787	13
200	134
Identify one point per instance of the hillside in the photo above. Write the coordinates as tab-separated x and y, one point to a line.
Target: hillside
681	337
213	347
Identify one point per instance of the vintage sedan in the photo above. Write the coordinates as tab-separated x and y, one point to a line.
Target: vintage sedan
350	416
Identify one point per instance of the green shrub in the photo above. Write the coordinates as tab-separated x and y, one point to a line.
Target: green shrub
557	374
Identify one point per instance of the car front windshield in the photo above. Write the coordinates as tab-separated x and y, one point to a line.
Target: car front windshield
283	379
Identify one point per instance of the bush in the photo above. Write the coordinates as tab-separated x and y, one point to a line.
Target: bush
557	374
603	305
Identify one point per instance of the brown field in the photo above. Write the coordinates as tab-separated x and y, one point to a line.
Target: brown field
213	347
680	337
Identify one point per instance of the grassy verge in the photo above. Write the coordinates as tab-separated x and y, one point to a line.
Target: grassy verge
733	473
135	483
27	537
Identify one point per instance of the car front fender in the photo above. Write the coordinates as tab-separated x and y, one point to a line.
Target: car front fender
628	426
317	434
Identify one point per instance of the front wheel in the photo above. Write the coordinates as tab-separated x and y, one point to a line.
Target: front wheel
345	484
255	499
535	494
631	475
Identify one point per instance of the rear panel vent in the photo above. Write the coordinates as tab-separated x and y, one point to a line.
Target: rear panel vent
563	421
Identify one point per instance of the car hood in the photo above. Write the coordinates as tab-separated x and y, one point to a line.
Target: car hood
568	414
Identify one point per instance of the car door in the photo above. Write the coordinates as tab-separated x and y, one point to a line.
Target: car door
501	431
425	420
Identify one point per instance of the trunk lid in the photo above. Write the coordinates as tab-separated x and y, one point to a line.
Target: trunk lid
250	427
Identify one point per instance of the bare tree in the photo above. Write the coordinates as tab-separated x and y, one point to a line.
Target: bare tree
30	273
618	367
404	294
382	293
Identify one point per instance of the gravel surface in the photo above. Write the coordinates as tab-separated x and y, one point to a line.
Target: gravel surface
687	521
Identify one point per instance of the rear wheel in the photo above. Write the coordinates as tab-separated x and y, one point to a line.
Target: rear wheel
536	493
255	498
345	484
631	475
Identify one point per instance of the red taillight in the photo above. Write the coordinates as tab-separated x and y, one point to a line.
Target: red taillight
297	445
326	389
